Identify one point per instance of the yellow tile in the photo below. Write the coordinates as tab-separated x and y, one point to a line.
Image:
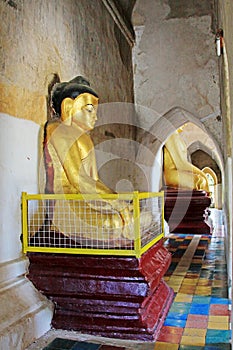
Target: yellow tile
194	332
175	288
218	325
220	319
206	289
195	341
187	289
183	290
204	282
177	278
174	283
166	346
220	283
190	282
181	297
203	290
181	273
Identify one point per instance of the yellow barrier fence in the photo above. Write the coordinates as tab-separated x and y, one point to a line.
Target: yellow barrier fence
86	224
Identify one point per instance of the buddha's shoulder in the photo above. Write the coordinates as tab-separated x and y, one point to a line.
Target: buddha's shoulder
50	126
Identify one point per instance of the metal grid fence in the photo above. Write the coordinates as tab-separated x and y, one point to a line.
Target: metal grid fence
87	224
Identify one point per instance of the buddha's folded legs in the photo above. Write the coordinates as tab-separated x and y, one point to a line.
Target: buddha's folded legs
80	220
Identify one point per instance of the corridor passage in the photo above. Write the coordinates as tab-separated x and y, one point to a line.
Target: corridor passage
199	316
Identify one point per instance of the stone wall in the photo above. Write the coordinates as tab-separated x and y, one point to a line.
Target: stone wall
66	37
43	38
226	74
40	38
175	60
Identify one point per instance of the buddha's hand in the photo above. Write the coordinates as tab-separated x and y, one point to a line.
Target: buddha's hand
126	212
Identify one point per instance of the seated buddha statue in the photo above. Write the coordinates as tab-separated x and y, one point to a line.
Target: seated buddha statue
70	166
178	171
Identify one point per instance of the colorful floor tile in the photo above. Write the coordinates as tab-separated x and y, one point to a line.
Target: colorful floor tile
200	311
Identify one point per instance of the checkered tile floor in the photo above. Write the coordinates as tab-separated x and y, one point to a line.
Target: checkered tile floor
199	316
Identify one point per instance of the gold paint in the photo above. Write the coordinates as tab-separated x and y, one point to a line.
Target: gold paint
178	171
72	154
22	103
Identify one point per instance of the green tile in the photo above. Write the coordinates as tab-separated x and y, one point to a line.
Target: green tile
217	336
68	344
191	347
87	346
220	346
60	344
200	299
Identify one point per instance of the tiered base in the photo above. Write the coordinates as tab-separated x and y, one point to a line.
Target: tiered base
118	297
185	211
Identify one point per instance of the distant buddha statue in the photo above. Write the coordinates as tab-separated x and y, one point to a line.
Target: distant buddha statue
70	166
178	171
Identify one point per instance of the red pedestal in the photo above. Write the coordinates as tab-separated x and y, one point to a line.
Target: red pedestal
185	211
118	297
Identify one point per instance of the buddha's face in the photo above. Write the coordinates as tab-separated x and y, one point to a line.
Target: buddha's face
84	111
81	111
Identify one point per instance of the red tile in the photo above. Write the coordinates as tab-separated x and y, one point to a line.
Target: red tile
170	334
200	318
219	310
197	321
170	338
171	330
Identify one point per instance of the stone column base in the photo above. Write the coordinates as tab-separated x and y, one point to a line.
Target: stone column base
25	313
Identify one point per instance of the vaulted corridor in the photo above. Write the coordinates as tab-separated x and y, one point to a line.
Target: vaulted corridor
160	68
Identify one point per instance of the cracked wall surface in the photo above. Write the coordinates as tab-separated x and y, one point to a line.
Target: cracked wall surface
67	37
175	62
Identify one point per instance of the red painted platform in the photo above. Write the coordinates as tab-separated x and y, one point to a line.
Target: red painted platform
185	211
117	297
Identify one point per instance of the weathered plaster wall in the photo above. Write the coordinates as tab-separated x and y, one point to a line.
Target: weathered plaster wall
175	63
38	39
67	37
226	73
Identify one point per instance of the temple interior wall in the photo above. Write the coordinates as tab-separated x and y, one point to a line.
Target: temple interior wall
40	39
225	12
175	62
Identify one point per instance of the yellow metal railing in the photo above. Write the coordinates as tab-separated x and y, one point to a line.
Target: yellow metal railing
56	223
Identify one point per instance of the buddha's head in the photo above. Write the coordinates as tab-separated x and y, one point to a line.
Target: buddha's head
75	101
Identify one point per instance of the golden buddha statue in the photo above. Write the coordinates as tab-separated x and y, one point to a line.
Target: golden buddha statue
178	171
70	166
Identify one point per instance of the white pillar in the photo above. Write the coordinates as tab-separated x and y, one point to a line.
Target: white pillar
218	196
24	312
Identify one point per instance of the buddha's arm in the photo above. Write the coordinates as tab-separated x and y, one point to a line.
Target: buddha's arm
178	153
178	170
